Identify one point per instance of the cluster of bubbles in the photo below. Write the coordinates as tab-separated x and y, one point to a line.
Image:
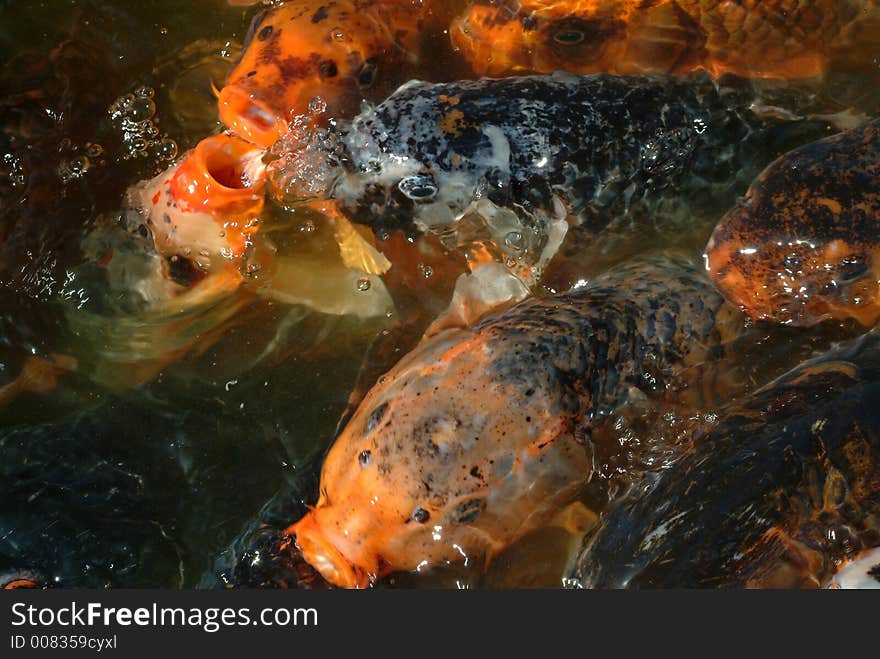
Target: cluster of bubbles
134	116
77	161
12	174
303	164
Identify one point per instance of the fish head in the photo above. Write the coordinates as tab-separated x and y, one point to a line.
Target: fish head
421	158
195	220
296	52
453	455
800	248
540	36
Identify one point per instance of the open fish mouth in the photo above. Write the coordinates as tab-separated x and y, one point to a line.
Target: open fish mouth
321	554
249	118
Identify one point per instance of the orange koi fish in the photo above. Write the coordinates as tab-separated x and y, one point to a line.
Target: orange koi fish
752	38
480	435
337	51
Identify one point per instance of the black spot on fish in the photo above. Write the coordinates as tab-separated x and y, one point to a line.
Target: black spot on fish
467	511
874	572
375	417
293	68
320	15
529	23
327	69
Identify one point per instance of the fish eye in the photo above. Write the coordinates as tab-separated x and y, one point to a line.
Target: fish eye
569	37
418	188
368	73
364	458
421	515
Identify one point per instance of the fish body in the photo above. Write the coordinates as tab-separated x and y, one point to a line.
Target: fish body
481	435
777	494
525	152
803	245
766	38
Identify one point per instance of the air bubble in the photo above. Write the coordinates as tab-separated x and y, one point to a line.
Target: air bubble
317	105
426	270
364	284
134	116
514	239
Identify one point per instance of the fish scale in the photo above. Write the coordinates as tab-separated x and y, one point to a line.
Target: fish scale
754	38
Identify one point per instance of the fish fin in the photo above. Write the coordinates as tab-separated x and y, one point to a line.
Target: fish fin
356	251
38	376
382	353
489	287
327	285
575	518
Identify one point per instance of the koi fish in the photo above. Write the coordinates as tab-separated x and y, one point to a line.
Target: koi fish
777	494
482	434
774	38
522	158
184	256
803	245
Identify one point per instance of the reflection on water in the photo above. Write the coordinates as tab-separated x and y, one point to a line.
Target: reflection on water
177	425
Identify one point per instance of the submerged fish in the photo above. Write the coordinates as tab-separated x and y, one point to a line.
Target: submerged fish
771	38
804	245
528	155
483	434
777	494
336	50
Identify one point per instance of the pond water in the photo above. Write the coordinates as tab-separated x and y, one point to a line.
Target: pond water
159	450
